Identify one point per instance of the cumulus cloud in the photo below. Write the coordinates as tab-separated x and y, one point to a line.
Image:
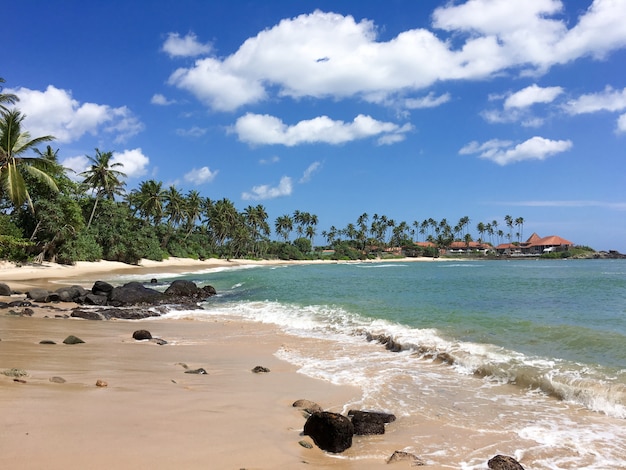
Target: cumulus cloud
310	171
532	94
263	129
161	100
186	46
504	152
201	176
134	162
607	100
331	55
284	188
55	112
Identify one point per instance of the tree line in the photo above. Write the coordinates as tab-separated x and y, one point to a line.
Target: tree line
46	215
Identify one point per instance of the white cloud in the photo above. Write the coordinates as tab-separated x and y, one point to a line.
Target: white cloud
55	112
263	129
310	171
269	161
621	123
161	100
330	55
200	176
134	162
532	94
503	152
77	164
607	100
194	131
187	46
284	188
428	101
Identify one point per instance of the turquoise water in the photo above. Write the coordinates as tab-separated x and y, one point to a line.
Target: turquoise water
474	344
571	310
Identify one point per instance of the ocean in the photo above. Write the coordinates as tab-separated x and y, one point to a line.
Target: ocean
525	357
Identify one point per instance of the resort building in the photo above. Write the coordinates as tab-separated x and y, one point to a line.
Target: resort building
535	246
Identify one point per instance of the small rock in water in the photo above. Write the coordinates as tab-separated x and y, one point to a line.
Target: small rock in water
504	462
71	339
307	405
305	444
199	371
400	455
142	334
57	380
46	341
101	383
158	341
260	369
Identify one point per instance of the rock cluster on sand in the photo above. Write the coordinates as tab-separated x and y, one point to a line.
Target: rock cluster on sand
333	432
131	301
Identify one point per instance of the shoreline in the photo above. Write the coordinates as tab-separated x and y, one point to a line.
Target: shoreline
51	275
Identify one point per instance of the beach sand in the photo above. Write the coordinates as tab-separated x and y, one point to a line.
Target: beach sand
152	414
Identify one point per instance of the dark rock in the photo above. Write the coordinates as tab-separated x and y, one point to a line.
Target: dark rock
102	288
4	305
46	341
209	291
134	293
181	287
28	312
38	295
504	462
141	335
86	314
370	422
260	369
93	299
305	444
199	371
5	290
70	294
308	406
20	303
331	432
399	456
153	281
71	339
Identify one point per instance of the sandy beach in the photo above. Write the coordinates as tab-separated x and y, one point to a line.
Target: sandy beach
151	413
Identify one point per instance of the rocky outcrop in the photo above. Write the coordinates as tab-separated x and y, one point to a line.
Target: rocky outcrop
4	289
331	432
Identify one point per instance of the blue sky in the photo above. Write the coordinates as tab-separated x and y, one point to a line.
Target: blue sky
408	109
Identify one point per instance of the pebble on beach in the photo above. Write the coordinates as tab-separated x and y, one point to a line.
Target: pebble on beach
101	383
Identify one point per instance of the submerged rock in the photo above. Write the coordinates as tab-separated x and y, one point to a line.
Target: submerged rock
260	369
199	371
307	405
399	456
331	432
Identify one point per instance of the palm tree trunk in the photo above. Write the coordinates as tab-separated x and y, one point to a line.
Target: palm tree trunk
93	211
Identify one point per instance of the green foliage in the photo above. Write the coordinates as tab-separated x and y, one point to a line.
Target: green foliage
14	248
303	245
83	247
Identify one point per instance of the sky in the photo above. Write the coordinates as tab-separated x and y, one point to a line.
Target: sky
403	108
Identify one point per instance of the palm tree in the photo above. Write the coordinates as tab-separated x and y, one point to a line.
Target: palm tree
14	142
509	223
6	98
102	178
520	223
150	200
283	226
193	210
